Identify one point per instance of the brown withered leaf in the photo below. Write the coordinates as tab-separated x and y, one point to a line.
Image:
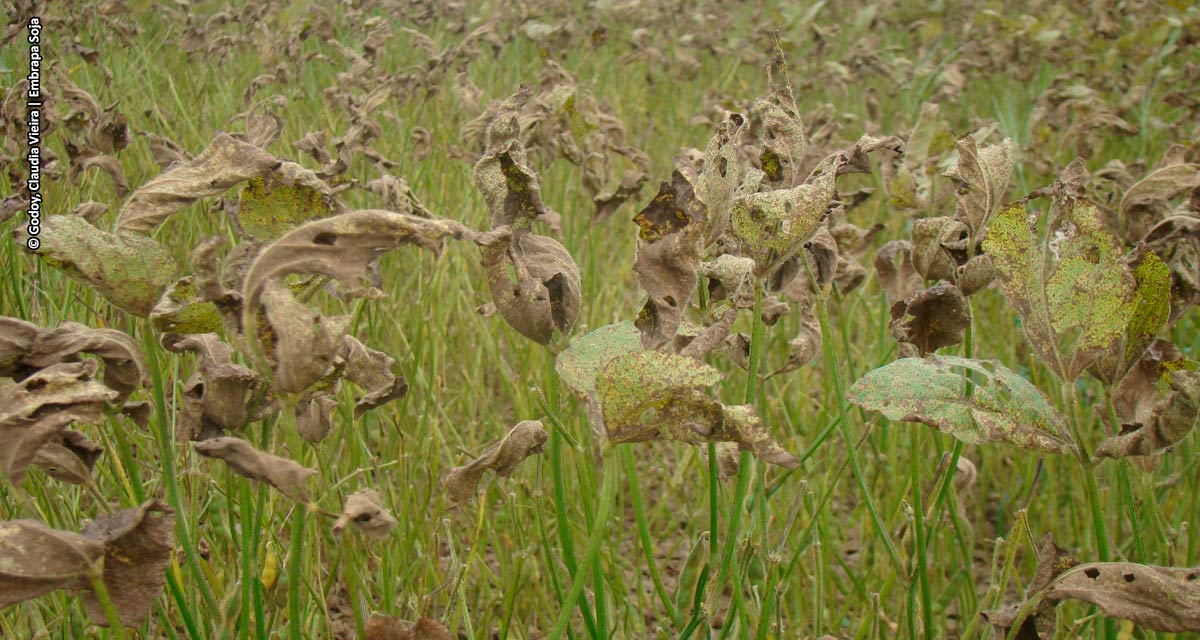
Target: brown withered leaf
711	335
805	347
1176	240
226	162
374	371
314	415
534	282
650	395
982	177
304	345
69	457
124	371
939	246
730	278
381	627
522	441
719	175
285	475
509	186
16	339
932	318
783	129
1157	401
1040	623
39	407
137	549
898	277
977	273
1156	598
224	393
668	257
364	509
35	560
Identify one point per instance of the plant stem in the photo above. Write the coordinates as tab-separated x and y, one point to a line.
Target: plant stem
608	494
295	571
639	513
106	603
914	438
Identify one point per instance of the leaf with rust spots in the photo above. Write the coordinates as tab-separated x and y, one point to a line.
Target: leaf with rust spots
272	204
1076	296
285	475
730	278
579	364
1176	240
784	140
668	257
939	246
719	176
522	441
509	186
982	177
39	408
534	283
182	310
124	371
69	457
1157	402
137	549
1151	307
774	225
1004	407
649	395
225	163
35	560
976	274
127	269
364	509
932	318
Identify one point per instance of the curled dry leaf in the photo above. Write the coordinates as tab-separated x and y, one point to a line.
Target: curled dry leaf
939	246
314	415
281	200
374	371
534	283
1004	407
226	162
898	276
1040	623
124	371
649	395
522	441
1157	401
977	273
137	549
668	257
35	560
381	627
39	408
982	177
1078	299
128	269
285	475
302	346
932	318
221	395
783	129
69	457
1157	598
364	509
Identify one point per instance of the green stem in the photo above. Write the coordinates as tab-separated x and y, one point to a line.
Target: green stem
831	367
608	494
295	572
914	438
639	514
110	610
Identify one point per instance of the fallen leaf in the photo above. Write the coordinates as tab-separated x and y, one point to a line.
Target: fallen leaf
364	509
522	441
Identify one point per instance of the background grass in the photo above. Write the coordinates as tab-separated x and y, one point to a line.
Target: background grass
497	568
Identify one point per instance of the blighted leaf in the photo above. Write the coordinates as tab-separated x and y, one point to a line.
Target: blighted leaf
509	186
939	246
982	177
805	347
719	175
1161	185
730	278
124	371
226	162
522	441
68	457
381	627
128	269
16	339
1004	407
932	318
286	197
35	560
898	277
534	283
668	256
374	371
774	224
716	328
1156	598
579	364
39	408
303	345
977	273
783	128
137	549
1157	401
314	415
364	509
225	393
650	395
1041	621
1075	294
283	474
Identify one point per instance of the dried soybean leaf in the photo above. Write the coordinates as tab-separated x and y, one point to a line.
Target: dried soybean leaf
226	393
719	176
137	549
783	129
509	186
304	345
1161	185
35	560
1157	401
898	277
314	416
69	457
773	225
1156	598
932	318
649	395
39	407
730	278
1075	294
364	509
226	162
282	199
939	246
712	335
522	441
806	346
182	310
668	257
128	269
579	364
534	283
381	627
982	177
374	371
283	474
977	273
124	371
1003	408
16	339
1151	307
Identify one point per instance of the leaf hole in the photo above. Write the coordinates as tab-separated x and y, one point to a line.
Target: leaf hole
1129	577
1191	577
1092	573
325	238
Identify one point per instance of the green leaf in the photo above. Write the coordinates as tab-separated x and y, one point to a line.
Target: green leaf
182	310
1004	407
579	364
